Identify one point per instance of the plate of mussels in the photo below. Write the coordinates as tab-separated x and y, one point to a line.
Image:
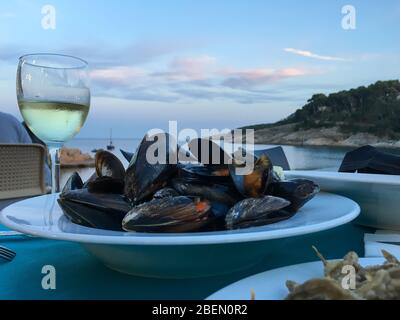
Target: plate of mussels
180	220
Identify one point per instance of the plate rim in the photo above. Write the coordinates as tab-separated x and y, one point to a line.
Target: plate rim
155	239
346	176
217	294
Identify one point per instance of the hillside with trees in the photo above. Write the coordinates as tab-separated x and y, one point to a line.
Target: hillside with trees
371	113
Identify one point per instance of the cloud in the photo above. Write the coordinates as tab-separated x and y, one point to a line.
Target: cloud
103	55
123	75
192	78
193	69
243	97
312	55
146	71
258	77
192	65
100	54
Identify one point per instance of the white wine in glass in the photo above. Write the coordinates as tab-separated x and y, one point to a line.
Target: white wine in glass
54	99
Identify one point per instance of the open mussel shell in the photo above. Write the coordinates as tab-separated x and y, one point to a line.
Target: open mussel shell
92	178
297	191
207	152
106	185
173	214
108	165
95	210
146	176
210	174
217	193
257	211
252	175
165	193
74	182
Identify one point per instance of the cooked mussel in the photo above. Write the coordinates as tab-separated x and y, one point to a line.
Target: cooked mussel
254	183
297	191
210	174
95	210
106	185
166	193
257	211
207	152
108	165
173	214
217	193
74	182
143	177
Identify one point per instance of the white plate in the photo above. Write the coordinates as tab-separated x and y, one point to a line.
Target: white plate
177	255
271	285
376	194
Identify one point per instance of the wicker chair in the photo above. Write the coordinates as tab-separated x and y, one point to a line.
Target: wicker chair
21	170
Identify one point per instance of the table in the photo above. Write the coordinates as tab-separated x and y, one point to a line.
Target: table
81	276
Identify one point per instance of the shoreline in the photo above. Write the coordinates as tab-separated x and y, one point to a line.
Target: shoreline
75	158
320	137
339	145
77	165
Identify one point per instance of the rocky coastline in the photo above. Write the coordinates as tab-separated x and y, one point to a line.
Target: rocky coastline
333	137
75	158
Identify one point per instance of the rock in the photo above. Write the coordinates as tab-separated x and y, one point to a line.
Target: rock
288	135
75	158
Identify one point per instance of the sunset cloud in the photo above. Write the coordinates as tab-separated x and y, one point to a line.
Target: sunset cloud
157	72
117	74
196	77
257	77
312	55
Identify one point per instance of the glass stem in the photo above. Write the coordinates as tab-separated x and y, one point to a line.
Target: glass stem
55	169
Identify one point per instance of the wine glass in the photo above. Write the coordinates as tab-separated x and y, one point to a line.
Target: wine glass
54	99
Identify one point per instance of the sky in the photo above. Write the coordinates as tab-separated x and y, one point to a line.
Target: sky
206	64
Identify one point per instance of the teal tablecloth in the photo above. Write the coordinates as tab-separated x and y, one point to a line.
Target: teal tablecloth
80	276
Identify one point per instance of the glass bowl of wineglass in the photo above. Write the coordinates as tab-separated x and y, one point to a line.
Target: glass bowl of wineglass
54	99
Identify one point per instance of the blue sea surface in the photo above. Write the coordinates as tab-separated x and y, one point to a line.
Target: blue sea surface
299	157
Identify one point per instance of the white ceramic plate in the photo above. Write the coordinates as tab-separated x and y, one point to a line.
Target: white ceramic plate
177	255
377	194
271	285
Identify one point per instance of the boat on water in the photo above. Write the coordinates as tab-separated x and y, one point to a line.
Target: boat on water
110	146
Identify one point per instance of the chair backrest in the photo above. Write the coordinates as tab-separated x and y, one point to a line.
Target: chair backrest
22	170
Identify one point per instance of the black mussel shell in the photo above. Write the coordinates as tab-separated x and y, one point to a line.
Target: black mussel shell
73	183
144	178
255	183
256	211
95	210
207	152
106	185
108	165
211	174
217	193
219	211
166	193
177	214
185	156
297	191
127	155
271	218
92	178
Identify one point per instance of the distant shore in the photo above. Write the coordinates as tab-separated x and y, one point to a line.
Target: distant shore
331	137
74	158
